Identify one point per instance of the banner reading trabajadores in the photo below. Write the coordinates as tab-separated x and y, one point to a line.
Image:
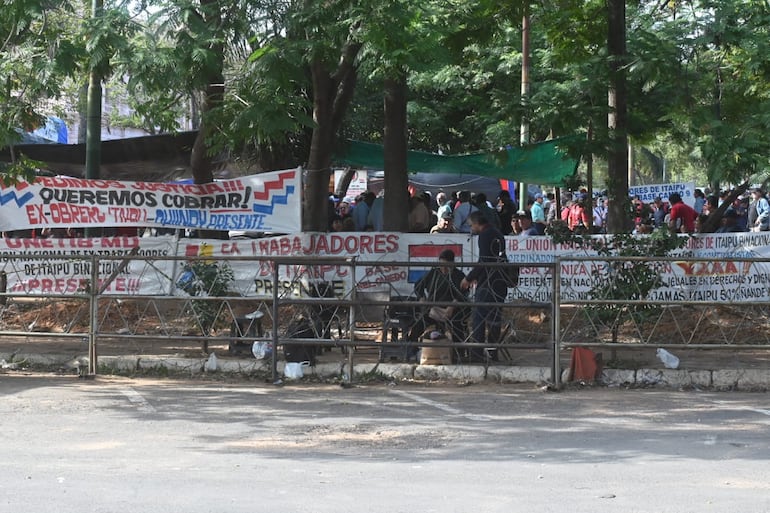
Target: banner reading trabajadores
268	202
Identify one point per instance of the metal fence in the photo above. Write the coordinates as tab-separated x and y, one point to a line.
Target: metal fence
92	306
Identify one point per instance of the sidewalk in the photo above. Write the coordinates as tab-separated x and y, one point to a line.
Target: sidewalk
721	368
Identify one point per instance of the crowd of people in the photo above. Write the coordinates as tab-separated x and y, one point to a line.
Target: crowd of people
450	213
465	212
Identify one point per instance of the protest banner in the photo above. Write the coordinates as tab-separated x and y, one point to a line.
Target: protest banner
268	202
28	272
374	262
648	193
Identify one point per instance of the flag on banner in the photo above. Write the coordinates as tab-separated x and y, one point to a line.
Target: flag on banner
429	253
508	185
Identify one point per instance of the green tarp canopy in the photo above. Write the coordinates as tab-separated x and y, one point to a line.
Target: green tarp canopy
541	163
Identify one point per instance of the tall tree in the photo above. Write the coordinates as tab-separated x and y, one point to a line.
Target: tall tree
332	92
617	155
37	48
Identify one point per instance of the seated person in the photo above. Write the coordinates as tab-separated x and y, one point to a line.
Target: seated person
445	224
442	284
521	224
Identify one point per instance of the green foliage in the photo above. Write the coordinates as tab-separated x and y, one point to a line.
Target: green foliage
631	277
24	169
203	278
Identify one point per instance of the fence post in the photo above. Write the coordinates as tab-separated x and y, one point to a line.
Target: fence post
93	291
556	322
274	334
352	322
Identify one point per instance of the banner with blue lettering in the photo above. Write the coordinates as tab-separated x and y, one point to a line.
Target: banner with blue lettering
267	202
648	193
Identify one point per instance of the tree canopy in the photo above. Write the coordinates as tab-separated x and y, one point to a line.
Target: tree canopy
279	83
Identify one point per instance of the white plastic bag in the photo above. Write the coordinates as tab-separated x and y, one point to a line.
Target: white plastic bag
669	360
211	363
293	370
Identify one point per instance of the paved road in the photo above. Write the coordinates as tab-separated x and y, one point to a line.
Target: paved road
121	445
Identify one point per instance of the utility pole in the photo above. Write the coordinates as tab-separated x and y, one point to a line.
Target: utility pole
525	86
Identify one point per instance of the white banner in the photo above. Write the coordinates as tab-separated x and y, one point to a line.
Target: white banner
63	275
715	275
268	202
713	278
648	193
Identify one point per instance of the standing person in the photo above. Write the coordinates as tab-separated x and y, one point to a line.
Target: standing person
700	200
762	224
538	214
577	217
361	210
553	214
506	209
490	285
659	214
463	211
600	216
443	204
419	215
681	216
480	200
751	213
375	217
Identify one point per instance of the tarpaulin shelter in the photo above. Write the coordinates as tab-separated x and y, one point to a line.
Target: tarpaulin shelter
541	163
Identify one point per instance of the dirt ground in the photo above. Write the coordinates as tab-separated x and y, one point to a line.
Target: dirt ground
51	330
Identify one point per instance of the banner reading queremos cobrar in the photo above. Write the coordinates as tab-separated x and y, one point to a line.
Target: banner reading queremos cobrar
268	202
715	276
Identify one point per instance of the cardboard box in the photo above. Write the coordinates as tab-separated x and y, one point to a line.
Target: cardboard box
435	355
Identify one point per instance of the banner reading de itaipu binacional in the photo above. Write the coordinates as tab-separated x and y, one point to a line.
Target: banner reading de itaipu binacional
267	202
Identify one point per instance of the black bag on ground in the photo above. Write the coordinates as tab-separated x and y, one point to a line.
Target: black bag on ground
301	352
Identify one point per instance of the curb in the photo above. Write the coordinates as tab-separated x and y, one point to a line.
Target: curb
721	379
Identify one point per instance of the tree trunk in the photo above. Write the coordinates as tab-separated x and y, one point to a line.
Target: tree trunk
332	94
396	204
341	188
201	160
618	215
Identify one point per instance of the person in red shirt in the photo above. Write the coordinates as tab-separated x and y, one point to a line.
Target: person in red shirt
577	219
682	216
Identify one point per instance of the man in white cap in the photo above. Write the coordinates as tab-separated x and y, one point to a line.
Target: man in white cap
445	224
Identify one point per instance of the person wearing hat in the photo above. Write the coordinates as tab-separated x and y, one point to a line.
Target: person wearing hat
442	284
445	223
522	224
729	222
538	214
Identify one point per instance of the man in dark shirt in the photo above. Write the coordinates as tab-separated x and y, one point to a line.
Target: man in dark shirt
490	285
506	209
442	283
